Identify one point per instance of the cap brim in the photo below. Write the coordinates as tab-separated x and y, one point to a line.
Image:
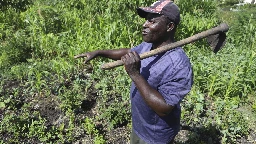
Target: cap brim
143	11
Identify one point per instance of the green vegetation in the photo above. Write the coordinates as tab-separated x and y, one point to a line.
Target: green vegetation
48	96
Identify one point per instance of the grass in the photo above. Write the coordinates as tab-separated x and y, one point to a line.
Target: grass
48	96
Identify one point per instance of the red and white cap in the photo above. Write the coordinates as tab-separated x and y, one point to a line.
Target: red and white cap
163	7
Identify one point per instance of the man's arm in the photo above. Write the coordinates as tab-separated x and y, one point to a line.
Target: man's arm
115	54
151	96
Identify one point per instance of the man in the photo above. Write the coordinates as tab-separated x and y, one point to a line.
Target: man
160	82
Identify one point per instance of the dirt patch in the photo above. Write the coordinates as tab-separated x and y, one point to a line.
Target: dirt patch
120	135
49	109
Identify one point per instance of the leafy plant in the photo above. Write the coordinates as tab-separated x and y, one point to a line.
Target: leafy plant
48	96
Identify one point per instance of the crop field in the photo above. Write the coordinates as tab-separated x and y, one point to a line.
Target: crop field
47	96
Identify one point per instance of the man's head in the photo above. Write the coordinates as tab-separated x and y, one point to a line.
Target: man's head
162	18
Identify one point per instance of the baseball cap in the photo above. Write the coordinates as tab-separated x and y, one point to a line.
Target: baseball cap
164	7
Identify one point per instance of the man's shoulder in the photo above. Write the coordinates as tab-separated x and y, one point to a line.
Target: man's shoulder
170	61
176	51
178	55
142	47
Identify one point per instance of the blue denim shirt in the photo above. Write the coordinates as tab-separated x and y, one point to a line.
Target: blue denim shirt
170	73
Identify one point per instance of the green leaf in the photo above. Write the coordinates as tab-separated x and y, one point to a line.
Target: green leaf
2	105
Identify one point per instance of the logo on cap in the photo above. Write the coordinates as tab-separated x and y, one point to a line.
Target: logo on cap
154	3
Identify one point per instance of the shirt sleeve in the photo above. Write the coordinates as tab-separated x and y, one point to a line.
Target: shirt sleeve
176	86
141	48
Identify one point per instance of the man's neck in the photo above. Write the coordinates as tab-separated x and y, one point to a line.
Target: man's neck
160	44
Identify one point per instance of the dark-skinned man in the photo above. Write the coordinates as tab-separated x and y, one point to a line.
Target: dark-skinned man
160	82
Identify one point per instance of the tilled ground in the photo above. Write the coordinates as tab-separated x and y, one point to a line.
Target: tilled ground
49	109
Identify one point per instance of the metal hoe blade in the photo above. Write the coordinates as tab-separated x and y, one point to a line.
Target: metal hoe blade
216	41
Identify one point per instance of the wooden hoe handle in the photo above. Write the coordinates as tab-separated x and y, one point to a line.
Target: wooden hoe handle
223	27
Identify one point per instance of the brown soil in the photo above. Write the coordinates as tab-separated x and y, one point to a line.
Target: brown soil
48	107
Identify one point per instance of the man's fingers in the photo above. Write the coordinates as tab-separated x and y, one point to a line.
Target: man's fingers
88	59
137	56
80	55
123	58
131	57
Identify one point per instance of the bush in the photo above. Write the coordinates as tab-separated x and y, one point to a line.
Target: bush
54	98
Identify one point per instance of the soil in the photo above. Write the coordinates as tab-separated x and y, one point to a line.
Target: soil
48	107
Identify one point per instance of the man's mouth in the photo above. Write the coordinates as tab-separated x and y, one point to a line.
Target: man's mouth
144	33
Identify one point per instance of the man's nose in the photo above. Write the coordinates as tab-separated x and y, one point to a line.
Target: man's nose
145	24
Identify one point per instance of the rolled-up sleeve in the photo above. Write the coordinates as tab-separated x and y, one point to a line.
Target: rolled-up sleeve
176	87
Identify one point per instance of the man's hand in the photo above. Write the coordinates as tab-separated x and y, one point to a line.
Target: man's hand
89	55
131	63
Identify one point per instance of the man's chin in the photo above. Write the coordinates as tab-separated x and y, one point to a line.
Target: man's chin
147	40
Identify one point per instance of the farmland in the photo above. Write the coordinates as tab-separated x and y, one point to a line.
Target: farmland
47	96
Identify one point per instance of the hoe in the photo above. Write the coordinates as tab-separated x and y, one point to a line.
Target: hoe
216	38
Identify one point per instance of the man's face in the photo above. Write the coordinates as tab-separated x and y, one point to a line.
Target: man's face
154	29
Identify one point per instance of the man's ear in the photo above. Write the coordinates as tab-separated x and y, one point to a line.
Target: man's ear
170	26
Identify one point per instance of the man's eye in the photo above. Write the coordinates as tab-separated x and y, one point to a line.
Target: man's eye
151	21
